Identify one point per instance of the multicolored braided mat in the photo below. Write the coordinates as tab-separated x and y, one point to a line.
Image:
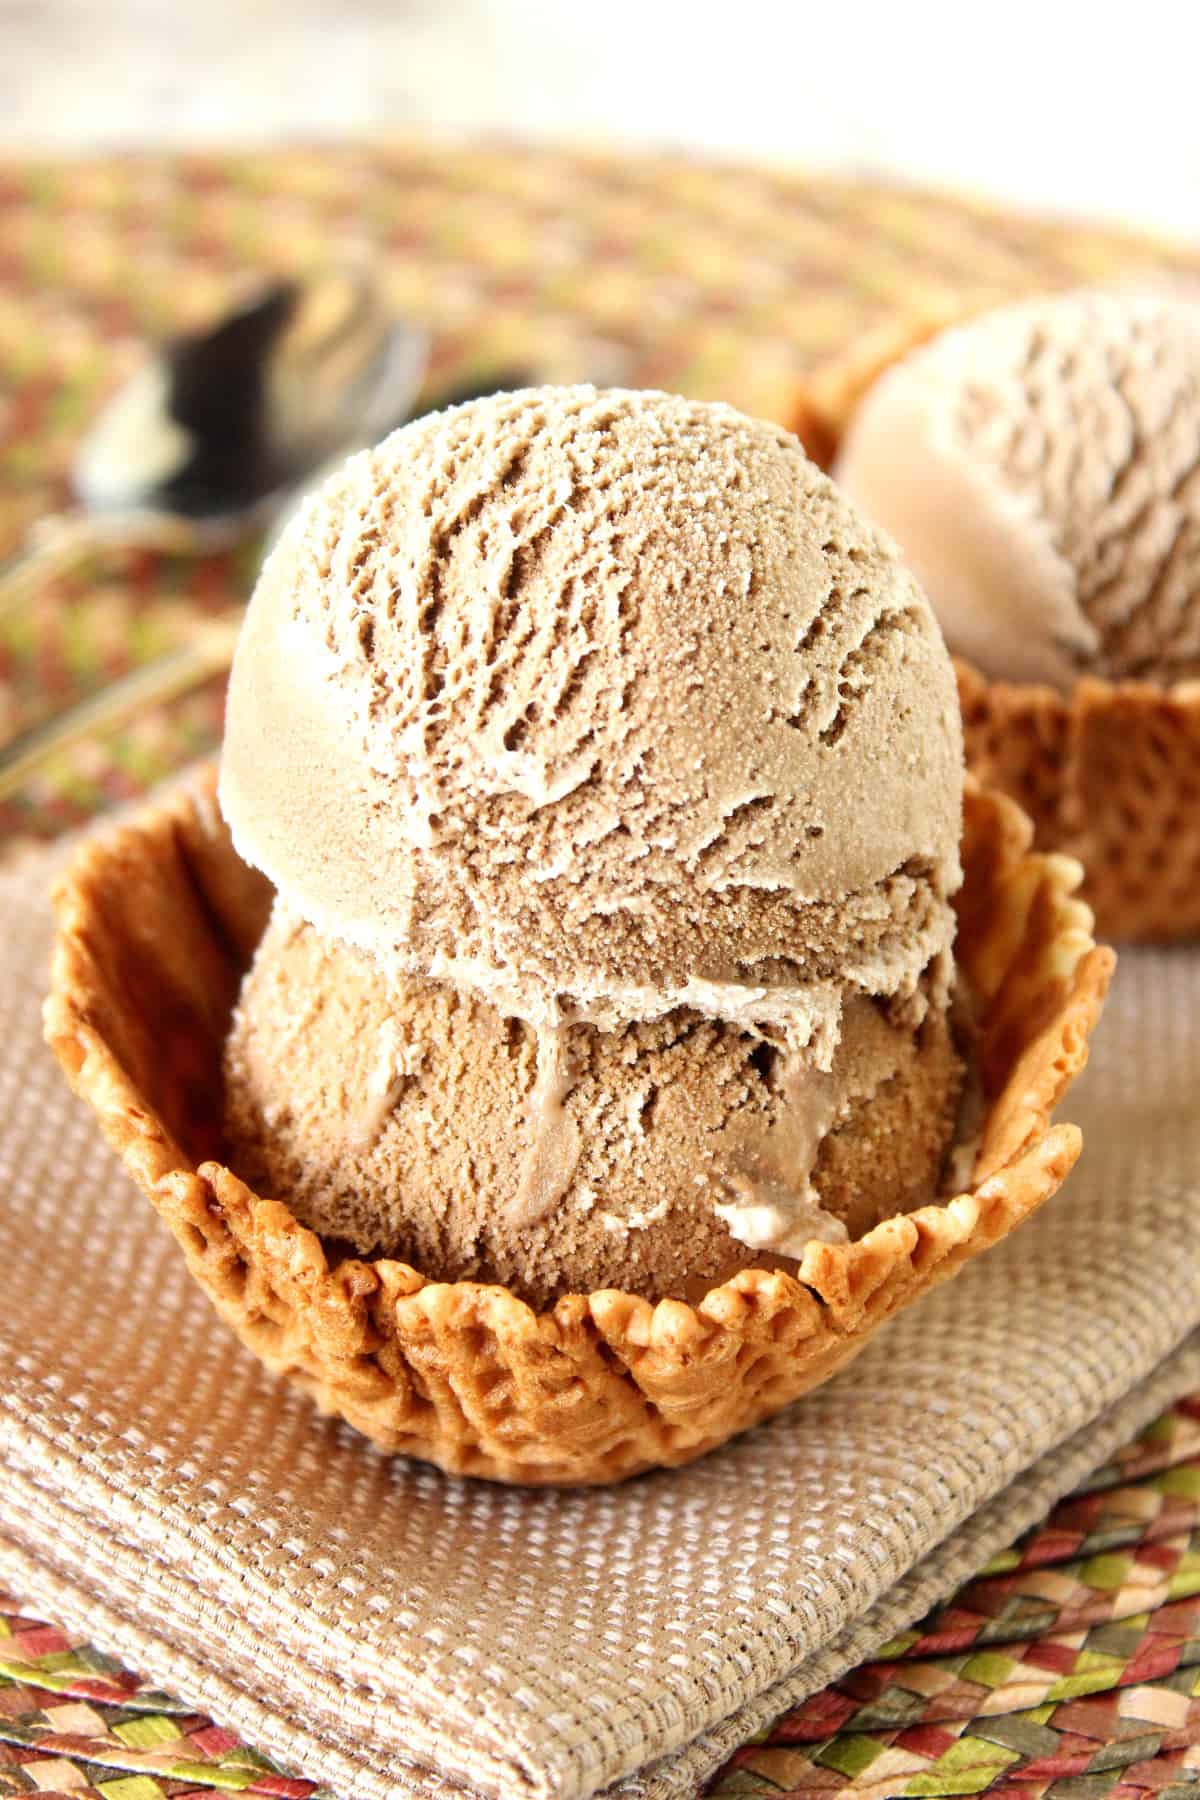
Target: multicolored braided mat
1069	1669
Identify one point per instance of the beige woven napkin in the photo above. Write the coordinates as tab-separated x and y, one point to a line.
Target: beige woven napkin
394	1632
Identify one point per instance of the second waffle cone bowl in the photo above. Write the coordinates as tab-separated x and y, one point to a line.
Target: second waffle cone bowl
157	922
1108	773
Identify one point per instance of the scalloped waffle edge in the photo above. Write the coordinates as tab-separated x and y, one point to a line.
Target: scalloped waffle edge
156	921
1110	772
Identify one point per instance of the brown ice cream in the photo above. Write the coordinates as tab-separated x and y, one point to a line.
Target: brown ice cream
601	704
1040	469
412	1117
609	771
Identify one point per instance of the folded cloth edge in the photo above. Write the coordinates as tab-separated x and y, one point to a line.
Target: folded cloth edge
341	1759
33	1509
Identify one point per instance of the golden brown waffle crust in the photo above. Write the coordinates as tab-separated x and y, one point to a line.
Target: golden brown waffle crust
156	922
1109	773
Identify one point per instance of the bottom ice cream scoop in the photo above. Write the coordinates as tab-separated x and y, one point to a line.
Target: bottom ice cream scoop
1040	469
412	1119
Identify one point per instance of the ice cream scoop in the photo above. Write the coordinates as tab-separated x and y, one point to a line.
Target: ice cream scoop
1040	469
601	704
411	1117
608	770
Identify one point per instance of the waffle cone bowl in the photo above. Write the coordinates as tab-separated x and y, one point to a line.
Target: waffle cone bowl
157	922
1109	773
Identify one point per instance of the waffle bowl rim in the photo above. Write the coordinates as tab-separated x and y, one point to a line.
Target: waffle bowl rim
607	1384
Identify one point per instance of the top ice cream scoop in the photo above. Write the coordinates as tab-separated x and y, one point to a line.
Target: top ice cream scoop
601	704
1040	469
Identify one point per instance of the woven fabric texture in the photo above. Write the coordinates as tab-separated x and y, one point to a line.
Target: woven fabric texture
71	1714
1114	1699
389	1631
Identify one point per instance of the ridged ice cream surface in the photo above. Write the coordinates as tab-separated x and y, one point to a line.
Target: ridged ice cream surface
1040	469
598	705
412	1118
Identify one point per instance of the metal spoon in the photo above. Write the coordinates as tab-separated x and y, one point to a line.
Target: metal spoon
211	439
216	439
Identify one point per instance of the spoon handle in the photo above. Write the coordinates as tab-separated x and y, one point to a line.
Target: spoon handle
58	543
207	652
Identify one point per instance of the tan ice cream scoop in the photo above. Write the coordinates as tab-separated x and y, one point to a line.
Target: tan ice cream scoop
601	705
411	1117
1040	469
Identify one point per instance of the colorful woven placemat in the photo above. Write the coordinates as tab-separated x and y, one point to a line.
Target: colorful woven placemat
1071	1667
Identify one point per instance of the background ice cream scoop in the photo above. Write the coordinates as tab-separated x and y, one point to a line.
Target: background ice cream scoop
1040	469
601	704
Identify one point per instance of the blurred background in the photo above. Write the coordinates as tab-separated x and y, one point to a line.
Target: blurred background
747	202
1053	103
